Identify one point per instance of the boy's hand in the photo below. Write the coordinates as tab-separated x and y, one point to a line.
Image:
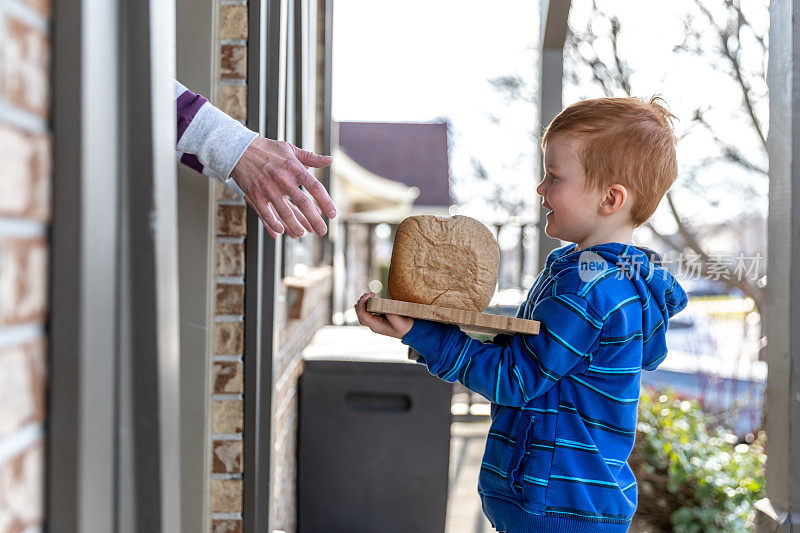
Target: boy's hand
391	325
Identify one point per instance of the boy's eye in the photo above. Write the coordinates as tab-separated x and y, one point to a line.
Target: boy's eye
551	177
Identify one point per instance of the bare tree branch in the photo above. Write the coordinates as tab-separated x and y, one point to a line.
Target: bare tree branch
732	55
729	152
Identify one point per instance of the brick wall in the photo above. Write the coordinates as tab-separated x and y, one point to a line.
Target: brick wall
293	333
229	247
228	383
25	181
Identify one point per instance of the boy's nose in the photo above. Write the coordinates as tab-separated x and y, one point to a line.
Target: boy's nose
540	188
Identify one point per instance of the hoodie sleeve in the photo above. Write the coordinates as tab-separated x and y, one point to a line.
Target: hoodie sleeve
519	367
208	140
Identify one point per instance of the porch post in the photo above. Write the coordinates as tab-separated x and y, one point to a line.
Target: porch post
266	97
149	496
780	511
113	434
81	428
553	31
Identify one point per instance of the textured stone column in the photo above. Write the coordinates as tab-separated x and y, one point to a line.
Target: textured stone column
780	511
553	32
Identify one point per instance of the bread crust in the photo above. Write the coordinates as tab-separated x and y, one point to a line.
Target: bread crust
444	261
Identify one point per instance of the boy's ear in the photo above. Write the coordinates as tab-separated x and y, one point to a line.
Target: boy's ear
614	199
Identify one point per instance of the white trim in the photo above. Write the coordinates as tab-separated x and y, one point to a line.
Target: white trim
233	82
233	42
229	240
19	227
226	436
231	280
229	318
18	441
22	334
25	120
228	358
221	397
26	14
220	475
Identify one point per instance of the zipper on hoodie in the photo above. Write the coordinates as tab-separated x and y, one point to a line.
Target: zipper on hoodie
518	452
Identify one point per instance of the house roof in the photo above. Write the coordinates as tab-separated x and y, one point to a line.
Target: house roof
412	153
358	190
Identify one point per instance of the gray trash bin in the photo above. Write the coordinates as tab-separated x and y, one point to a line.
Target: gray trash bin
373	448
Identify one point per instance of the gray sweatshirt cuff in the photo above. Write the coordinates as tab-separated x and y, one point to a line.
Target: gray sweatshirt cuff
216	139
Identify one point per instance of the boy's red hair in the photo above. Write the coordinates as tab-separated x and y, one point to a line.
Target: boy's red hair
623	140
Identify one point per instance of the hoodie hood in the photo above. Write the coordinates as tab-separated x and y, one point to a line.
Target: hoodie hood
661	295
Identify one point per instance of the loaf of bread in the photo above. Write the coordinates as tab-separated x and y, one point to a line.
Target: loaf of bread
444	261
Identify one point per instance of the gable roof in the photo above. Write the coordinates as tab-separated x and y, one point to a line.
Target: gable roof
412	153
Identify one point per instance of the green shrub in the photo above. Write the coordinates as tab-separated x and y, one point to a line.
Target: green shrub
693	475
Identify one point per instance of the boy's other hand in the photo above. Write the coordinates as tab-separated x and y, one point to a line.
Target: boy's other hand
391	325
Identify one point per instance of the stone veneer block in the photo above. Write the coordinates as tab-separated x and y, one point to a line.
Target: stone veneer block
228	377
233	62
26	69
223	192
230	259
228	416
233	22
22	395
41	6
229	338
25	179
22	490
226	526
227	457
233	100
226	495
231	220
230	299
23	280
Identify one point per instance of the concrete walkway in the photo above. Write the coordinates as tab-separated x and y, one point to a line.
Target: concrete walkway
464	513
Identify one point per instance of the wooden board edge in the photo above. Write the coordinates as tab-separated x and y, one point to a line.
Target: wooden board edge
478	320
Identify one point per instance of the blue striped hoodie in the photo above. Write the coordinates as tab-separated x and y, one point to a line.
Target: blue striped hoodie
564	402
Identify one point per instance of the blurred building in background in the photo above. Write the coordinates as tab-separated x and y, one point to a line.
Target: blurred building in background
383	173
415	154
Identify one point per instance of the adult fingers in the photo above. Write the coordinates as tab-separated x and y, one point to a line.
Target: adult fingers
310	159
318	192
268	218
286	215
301	218
307	207
272	215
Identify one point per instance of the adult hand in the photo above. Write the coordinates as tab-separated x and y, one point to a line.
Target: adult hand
391	325
270	173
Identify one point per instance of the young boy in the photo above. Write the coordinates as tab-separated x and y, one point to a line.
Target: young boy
564	402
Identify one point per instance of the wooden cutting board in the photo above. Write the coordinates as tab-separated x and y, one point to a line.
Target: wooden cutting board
468	320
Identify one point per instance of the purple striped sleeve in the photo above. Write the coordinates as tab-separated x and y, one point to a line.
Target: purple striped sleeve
189	104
